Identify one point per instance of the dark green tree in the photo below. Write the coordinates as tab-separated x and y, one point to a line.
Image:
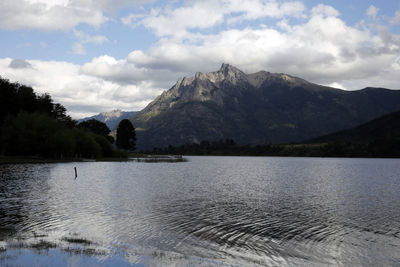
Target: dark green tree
106	148
126	135
96	127
33	125
15	98
35	134
86	145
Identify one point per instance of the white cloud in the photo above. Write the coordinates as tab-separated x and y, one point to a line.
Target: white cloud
83	38
336	85
53	15
325	10
372	11
81	94
86	38
206	14
78	49
132	19
323	49
396	18
125	73
19	14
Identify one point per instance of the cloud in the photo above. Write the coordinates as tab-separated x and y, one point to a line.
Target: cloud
56	15
125	73
206	14
78	49
81	94
83	38
321	48
325	10
372	11
19	14
396	18
86	38
336	85
19	64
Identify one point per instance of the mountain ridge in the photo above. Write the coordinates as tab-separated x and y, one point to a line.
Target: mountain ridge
111	118
255	108
384	127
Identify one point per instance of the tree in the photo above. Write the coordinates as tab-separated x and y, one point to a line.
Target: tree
87	147
96	127
37	134
32	125
126	135
15	98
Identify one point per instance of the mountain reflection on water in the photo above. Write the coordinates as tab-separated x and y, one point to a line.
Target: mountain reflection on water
209	211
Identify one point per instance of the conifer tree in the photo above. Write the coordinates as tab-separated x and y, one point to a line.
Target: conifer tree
126	135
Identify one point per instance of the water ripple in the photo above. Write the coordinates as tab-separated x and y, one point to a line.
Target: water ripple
213	211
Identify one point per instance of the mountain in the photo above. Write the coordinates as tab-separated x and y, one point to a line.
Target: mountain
385	127
111	118
256	108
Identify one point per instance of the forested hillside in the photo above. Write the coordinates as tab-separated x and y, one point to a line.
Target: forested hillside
32	124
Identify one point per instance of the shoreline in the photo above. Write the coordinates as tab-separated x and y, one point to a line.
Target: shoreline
132	158
156	158
34	160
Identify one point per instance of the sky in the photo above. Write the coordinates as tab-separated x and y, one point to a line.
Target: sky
98	55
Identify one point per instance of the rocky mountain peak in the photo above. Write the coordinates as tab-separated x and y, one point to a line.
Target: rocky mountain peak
225	73
229	69
232	73
228	74
111	114
254	108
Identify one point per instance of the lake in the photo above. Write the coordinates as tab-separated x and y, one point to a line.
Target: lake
210	211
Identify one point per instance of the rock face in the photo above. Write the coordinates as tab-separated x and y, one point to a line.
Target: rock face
255	108
111	118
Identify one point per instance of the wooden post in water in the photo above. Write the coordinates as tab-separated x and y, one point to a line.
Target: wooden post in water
76	173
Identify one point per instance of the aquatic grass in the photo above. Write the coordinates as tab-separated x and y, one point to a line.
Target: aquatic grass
77	240
41	245
37	235
44	245
159	158
85	251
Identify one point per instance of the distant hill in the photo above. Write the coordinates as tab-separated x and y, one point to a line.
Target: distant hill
256	108
379	138
385	127
111	118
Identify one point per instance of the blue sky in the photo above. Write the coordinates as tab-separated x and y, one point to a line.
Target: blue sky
95	56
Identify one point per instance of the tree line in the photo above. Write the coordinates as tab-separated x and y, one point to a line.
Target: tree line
379	147
33	125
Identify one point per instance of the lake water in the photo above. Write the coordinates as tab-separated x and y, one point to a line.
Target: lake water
210	211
